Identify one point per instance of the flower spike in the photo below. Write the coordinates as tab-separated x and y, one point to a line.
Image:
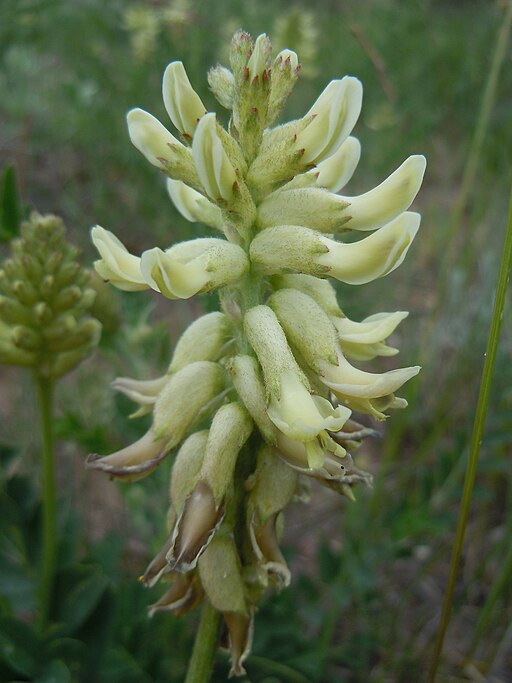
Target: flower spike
261	396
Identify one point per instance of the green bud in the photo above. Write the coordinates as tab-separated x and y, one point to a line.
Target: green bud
25	338
33	268
285	72
25	292
43	313
11	354
13	313
241	49
67	298
222	83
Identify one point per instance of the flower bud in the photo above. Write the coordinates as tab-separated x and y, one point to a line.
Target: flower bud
285	72
11	354
160	147
214	168
193	206
14	313
117	265
389	199
240	51
332	118
180	402
194	266
222	83
132	462
204	339
312	207
181	101
278	160
26	338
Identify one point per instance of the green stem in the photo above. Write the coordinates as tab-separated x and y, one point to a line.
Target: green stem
476	437
473	159
49	496
205	646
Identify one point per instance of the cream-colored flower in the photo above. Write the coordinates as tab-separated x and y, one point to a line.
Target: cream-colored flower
117	265
150	137
181	101
195	266
291	248
193	205
332	118
214	168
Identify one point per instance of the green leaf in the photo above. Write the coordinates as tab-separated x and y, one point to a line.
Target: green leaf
20	647
81	599
10	216
55	672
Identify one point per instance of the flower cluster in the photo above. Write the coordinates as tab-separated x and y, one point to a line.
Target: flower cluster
264	390
45	301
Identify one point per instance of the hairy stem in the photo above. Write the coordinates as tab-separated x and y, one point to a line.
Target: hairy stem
45	402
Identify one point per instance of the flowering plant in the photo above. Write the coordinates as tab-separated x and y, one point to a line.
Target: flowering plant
263	391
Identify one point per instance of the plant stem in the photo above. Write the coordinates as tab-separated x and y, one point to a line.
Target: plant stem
45	401
476	436
201	661
471	166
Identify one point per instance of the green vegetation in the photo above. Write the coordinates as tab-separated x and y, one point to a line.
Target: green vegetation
368	577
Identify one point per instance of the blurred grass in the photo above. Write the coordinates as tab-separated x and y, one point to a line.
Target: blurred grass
368	578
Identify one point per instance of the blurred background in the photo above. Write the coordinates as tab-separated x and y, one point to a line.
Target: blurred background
368	577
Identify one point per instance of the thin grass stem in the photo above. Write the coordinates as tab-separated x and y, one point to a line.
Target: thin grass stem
473	158
476	437
49	497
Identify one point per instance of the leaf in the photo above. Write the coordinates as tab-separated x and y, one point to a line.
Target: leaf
9	206
55	672
20	647
82	597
